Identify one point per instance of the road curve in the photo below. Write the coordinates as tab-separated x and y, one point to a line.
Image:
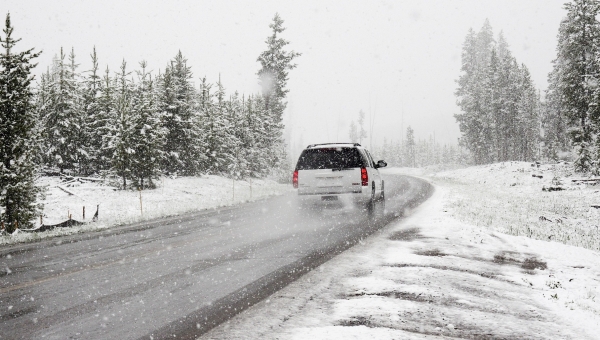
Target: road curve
178	276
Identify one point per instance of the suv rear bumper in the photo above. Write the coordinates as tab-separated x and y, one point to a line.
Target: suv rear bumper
361	195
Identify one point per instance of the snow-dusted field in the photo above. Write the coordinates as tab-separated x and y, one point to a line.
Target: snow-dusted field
447	271
510	198
117	207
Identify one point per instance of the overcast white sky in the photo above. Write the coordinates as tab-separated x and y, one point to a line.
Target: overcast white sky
384	57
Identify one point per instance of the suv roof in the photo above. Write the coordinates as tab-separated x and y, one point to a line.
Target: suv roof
332	145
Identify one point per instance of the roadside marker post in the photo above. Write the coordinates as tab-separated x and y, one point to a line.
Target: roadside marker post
141	207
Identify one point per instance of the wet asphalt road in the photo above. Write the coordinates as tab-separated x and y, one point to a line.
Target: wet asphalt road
179	276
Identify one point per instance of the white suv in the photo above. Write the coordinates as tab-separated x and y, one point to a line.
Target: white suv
339	171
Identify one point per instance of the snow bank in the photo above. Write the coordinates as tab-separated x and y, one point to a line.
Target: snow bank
513	198
118	207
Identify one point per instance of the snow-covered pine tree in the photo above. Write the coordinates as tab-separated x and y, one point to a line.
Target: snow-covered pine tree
554	125
505	101
528	118
63	119
395	157
177	102
385	150
247	137
264	136
80	157
121	127
212	127
223	151
517	120
238	166
147	136
410	149
276	63
258	165
472	120
104	124
92	141
18	191
254	114
362	133
446	155
165	96
490	117
42	106
353	133
574	78
208	125
495	122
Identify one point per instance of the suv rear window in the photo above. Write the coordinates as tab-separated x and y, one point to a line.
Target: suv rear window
329	158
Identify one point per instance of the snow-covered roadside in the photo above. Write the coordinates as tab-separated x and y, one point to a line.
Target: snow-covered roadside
515	198
431	275
173	196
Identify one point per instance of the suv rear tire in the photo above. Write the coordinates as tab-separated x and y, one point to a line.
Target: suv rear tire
370	206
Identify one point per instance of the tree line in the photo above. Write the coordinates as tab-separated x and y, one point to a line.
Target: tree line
572	117
410	152
500	108
504	118
133	125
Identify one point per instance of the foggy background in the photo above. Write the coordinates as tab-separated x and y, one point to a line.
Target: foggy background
395	60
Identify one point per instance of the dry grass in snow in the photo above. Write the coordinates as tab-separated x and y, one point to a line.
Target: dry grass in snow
510	198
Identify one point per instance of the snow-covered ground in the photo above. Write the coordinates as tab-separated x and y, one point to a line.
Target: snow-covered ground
448	271
116	207
513	198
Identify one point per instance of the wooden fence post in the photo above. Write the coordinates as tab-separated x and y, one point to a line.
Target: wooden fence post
95	217
141	206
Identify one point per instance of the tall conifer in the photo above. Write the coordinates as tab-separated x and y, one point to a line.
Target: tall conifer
575	75
17	133
147	136
276	63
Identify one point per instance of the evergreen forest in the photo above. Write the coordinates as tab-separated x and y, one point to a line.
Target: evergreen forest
504	118
130	125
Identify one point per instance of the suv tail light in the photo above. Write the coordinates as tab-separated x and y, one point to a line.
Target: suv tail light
295	179
364	177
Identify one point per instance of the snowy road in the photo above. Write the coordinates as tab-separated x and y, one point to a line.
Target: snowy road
431	276
176	276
